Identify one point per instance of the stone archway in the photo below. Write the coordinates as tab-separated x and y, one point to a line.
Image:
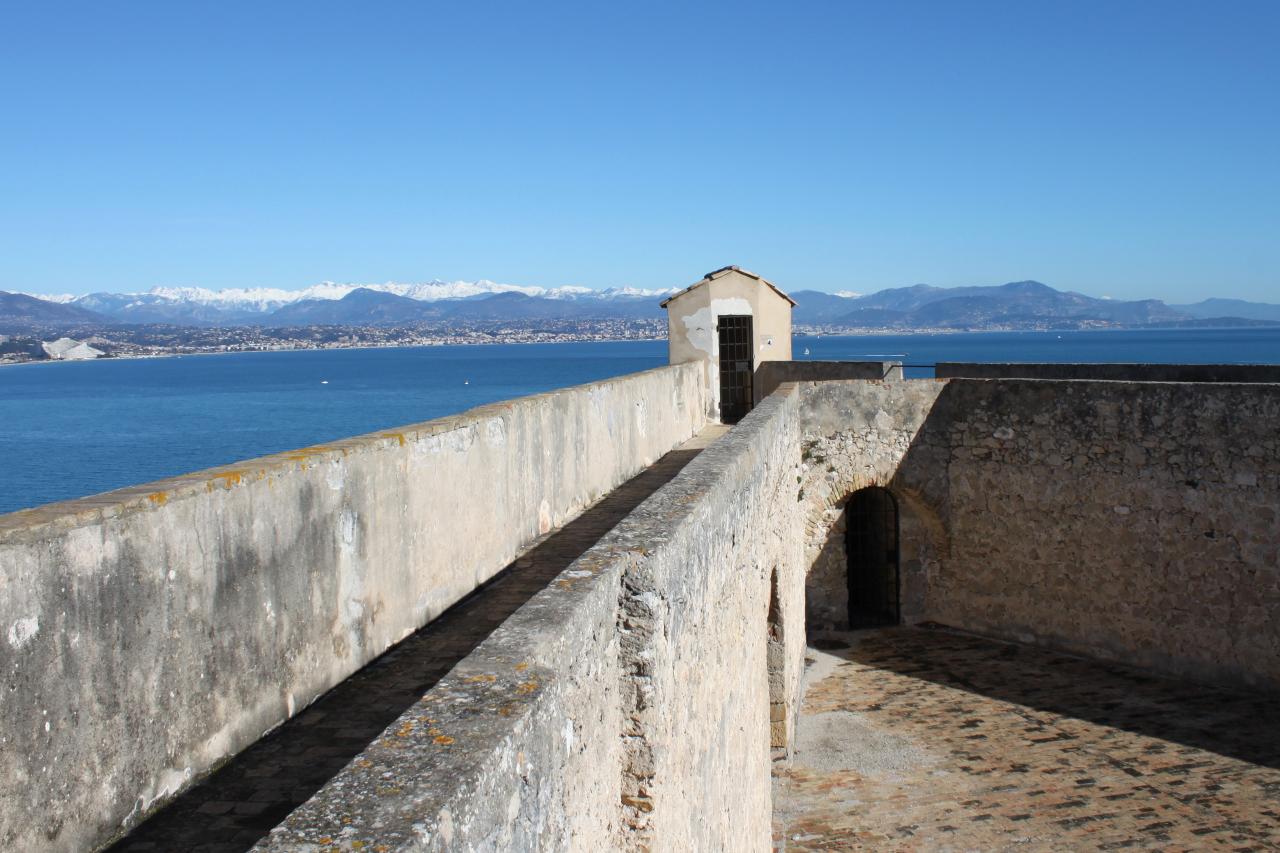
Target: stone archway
921	547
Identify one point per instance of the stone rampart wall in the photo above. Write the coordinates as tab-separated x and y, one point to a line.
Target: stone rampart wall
149	633
697	628
627	705
1112	372
770	374
1136	522
855	435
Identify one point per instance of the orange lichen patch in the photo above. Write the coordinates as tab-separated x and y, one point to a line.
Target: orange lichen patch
565	584
506	710
434	731
364	762
229	479
398	436
527	687
158	498
522	666
405	729
477	679
444	740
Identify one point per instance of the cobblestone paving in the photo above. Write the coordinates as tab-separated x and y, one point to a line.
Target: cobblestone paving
914	739
241	802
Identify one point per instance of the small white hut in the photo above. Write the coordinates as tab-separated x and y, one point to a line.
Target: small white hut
732	319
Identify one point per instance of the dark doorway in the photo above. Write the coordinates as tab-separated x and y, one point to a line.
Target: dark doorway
871	543
735	367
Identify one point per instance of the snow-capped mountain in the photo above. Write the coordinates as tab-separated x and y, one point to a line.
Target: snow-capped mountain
203	306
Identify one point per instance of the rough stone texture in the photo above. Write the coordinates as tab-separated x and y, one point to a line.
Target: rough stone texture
770	374
933	740
633	702
1134	522
151	632
240	802
1113	372
609	712
855	435
695	626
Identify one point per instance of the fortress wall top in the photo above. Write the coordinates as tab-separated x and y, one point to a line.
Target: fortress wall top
625	706
1113	372
1132	521
148	633
770	374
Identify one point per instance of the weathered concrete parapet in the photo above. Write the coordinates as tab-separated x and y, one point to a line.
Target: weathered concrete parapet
149	633
517	748
1112	372
770	374
611	711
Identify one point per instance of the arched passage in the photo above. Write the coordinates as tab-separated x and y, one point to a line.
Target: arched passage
872	550
922	545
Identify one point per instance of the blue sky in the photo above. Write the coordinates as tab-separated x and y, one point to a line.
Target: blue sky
1116	148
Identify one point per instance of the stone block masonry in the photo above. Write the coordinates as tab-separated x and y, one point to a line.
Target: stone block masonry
1135	522
1131	521
624	707
149	633
633	702
770	374
1113	372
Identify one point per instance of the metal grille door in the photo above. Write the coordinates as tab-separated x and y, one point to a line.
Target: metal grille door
872	547
735	367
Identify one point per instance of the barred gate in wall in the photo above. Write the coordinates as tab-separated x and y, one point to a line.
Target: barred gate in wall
871	544
736	368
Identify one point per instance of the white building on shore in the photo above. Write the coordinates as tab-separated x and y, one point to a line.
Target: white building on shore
69	349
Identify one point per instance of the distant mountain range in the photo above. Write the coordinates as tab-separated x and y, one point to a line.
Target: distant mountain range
341	304
1023	304
1231	308
19	310
1020	304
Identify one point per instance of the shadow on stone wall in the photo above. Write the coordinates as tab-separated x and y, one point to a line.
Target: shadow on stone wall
1127	521
859	435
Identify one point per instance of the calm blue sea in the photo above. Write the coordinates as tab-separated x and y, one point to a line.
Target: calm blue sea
74	429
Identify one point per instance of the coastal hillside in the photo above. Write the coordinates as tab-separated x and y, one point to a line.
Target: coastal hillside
1017	305
484	305
19	311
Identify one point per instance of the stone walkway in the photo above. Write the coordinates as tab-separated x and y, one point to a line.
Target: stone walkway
241	802
913	739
